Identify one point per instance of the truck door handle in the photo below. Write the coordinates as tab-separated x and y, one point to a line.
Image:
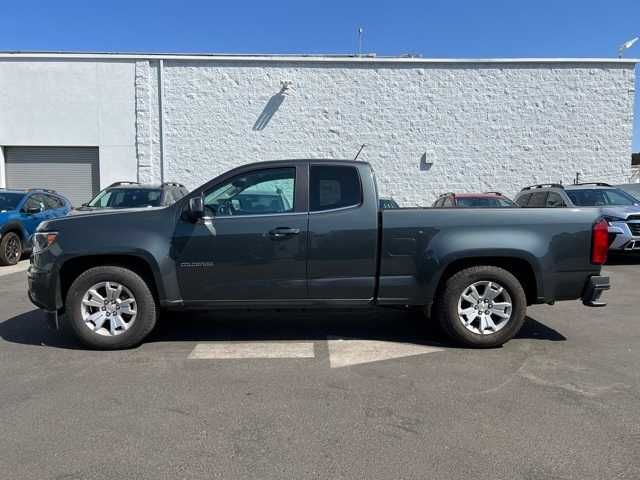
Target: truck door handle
283	232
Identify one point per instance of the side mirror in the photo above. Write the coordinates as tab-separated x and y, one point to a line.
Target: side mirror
32	210
196	208
84	204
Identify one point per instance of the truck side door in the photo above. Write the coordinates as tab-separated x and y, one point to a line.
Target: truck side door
343	233
252	247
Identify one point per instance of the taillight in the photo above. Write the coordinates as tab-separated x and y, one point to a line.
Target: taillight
600	242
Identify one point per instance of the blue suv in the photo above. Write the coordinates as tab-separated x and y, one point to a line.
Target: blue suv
21	211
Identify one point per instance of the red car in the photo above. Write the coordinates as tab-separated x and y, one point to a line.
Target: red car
473	200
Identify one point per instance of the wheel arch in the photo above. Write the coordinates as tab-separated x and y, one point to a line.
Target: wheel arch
521	268
16	227
73	267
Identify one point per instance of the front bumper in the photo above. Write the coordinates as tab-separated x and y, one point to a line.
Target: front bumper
593	290
44	293
624	236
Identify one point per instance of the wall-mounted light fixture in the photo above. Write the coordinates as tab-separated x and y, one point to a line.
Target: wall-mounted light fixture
286	87
424	165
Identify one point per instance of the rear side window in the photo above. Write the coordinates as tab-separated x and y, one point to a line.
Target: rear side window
334	187
537	200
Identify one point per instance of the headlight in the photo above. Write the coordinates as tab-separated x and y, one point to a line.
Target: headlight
610	219
43	240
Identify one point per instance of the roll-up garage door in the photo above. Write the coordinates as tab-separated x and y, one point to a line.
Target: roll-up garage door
72	171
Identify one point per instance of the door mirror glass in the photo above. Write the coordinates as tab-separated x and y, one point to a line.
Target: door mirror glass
196	208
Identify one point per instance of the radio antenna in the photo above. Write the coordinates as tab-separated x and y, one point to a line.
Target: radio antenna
358	154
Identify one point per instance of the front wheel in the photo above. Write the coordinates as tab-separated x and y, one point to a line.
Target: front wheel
10	249
110	308
482	306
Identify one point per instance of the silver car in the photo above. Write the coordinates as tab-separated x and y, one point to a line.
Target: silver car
632	189
621	210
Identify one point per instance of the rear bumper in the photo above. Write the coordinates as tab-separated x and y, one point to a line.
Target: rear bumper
593	290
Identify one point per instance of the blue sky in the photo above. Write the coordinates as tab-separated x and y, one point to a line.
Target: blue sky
465	28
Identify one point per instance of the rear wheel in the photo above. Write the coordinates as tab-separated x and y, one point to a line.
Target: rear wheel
110	308
482	306
10	249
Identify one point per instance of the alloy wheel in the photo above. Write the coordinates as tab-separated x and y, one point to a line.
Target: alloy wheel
109	308
13	250
485	307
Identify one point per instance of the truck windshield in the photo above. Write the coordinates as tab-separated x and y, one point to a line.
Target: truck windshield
598	197
9	200
127	198
484	202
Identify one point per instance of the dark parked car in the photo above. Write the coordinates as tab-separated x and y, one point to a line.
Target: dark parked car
108	274
136	195
386	203
620	209
473	200
21	211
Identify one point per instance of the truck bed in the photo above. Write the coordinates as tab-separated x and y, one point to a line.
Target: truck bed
419	244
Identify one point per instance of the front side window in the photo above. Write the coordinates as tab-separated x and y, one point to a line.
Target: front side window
35	203
598	197
260	192
333	186
537	200
523	200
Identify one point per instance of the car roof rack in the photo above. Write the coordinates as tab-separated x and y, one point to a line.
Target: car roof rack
173	184
495	193
126	182
45	190
598	184
543	185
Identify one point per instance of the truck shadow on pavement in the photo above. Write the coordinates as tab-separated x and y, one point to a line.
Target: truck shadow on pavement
623	259
30	328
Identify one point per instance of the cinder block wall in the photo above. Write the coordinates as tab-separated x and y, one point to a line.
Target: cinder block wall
428	127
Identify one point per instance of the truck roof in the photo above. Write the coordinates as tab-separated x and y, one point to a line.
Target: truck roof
307	160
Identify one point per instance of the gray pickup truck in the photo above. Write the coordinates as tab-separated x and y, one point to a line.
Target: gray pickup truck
310	234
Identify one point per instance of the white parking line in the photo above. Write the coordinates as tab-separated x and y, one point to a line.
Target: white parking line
345	352
231	350
19	267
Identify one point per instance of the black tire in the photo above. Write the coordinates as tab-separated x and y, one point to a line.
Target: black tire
446	306
8	248
145	319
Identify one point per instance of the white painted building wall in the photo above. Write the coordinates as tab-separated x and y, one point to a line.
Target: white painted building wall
56	102
429	126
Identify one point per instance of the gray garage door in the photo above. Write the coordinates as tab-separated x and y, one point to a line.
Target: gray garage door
72	171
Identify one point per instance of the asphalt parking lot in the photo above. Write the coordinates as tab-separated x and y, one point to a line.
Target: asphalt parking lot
332	395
